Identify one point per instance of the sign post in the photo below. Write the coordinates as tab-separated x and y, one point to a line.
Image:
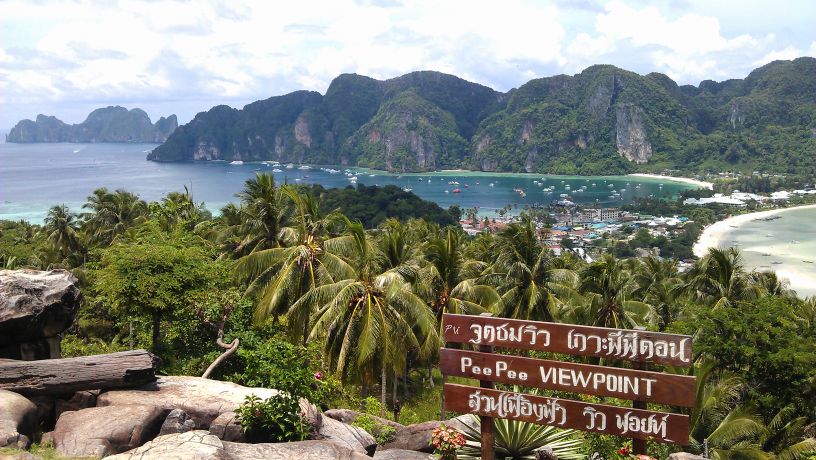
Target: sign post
636	384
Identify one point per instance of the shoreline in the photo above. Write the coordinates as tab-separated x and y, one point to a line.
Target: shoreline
684	180
712	236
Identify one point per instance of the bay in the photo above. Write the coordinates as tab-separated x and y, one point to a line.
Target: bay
34	177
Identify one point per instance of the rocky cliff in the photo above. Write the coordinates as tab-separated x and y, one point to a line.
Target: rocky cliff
604	120
110	124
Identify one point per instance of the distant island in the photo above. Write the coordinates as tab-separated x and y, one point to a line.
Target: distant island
109	124
604	120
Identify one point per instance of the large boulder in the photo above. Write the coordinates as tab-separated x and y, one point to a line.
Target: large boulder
177	421
202	399
35	307
348	436
401	454
200	445
102	431
349	416
18	420
418	436
226	427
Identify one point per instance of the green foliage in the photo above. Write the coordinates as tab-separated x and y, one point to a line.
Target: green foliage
520	440
275	419
382	433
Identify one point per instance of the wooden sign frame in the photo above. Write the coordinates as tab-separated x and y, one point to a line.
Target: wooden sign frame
639	347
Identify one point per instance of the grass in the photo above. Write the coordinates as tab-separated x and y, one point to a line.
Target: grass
44	452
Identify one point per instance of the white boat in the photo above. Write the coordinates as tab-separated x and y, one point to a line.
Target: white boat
277	170
290	166
236	162
305	167
406	189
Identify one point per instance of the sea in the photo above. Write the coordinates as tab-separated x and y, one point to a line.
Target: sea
786	245
34	177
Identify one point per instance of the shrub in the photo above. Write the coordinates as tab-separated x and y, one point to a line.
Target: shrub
382	433
276	419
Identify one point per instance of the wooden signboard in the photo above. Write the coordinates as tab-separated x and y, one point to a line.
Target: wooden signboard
621	344
614	345
655	387
564	413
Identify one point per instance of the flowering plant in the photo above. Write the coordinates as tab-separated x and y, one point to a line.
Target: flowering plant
445	440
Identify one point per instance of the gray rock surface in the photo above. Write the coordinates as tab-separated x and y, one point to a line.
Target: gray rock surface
226	427
684	456
401	454
19	456
348	436
78	401
35	307
102	431
630	131
349	416
200	445
202	399
18	419
177	421
418	436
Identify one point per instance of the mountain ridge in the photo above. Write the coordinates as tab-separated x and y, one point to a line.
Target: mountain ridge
601	120
107	124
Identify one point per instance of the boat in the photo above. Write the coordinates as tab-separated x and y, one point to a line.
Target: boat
277	170
795	241
776	262
406	189
563	195
372	175
490	184
765	254
447	191
466	185
236	162
807	261
290	166
456	190
305	167
453	182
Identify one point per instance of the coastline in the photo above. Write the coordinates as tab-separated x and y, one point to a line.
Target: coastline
712	236
684	180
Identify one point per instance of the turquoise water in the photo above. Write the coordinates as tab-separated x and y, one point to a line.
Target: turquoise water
782	245
34	177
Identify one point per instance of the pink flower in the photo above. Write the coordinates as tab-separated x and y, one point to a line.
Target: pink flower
318	375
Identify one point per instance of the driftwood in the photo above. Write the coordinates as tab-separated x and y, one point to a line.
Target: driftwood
63	376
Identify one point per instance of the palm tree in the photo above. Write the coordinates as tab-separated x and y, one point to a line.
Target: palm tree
111	214
267	210
786	438
657	282
365	315
61	229
730	430
282	275
607	288
720	279
528	274
770	283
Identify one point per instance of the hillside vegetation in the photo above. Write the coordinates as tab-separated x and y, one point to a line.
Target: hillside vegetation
602	120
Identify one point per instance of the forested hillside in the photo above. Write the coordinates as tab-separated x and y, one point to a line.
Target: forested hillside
602	120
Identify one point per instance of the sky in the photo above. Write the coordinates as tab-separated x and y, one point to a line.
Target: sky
66	58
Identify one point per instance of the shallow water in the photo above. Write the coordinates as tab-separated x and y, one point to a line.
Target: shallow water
788	242
34	177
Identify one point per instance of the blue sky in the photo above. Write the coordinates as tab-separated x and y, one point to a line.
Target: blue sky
67	58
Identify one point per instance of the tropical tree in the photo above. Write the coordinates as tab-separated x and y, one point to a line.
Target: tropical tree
608	301
281	275
61	229
657	282
111	214
719	278
266	212
529	275
363	316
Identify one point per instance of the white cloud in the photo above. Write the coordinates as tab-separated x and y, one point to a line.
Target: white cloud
198	54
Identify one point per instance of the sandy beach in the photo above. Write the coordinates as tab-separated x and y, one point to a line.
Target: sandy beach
684	180
712	236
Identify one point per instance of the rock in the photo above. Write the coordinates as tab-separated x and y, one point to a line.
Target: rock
202	399
18	420
630	131
102	431
684	456
47	439
418	436
226	427
349	436
192	445
402	454
349	416
35	307
78	401
19	456
303	450
199	445
177	421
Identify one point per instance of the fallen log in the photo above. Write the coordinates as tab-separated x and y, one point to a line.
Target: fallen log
64	376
